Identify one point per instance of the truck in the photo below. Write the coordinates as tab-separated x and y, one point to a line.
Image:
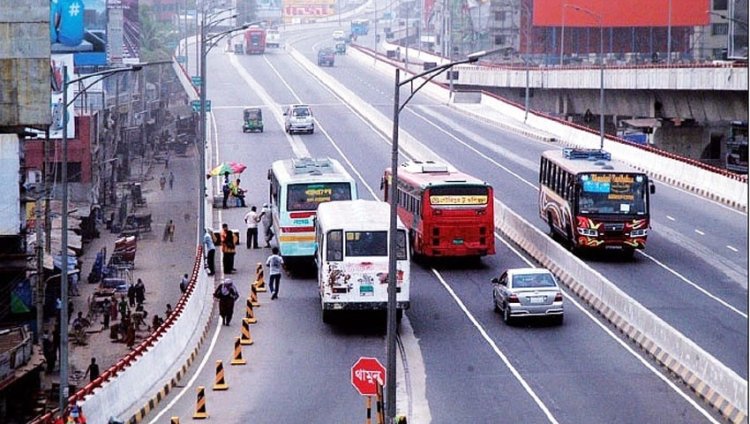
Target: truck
273	38
255	40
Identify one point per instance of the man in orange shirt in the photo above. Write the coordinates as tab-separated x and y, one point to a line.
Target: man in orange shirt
228	249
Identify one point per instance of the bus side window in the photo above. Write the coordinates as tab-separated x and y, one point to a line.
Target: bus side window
543	172
334	246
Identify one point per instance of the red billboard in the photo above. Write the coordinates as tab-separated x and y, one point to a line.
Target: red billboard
620	13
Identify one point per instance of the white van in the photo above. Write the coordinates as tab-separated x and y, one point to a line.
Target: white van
352	257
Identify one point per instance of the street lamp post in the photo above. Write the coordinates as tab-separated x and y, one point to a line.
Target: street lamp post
63	399
203	53
600	19
669	32
392	197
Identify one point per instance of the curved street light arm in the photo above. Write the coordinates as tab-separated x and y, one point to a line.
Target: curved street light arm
212	40
102	75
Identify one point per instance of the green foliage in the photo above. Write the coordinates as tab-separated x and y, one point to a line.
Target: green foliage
157	39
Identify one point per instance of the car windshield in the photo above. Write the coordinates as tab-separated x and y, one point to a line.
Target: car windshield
526	281
300	112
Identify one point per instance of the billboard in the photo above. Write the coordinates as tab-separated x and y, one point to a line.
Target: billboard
123	31
56	104
631	13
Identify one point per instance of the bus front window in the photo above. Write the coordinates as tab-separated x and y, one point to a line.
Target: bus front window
612	194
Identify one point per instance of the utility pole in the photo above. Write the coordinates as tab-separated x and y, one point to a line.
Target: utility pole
47	176
39	287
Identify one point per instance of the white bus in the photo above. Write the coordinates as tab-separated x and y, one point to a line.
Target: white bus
352	257
297	187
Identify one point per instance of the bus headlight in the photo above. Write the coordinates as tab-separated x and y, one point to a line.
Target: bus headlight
588	232
639	233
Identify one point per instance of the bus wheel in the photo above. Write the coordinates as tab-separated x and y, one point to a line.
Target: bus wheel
412	251
551	226
506	314
571	240
326	316
628	253
399	316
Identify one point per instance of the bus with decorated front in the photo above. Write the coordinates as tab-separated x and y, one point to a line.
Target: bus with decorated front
594	202
447	212
296	188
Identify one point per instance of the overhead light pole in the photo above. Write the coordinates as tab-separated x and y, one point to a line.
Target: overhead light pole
63	398
600	20
204	49
393	199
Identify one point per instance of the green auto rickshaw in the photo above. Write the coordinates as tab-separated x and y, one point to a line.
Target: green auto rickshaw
252	120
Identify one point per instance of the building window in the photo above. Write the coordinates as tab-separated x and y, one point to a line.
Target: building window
719	29
720	4
500	40
500	16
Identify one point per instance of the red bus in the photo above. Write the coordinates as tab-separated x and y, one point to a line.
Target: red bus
448	213
255	40
593	202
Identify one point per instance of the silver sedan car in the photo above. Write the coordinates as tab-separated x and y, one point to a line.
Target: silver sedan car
527	292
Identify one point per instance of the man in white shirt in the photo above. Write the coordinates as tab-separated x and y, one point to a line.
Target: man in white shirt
266	218
275	263
251	219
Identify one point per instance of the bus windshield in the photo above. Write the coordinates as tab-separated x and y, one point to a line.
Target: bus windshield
459	195
612	193
374	243
307	197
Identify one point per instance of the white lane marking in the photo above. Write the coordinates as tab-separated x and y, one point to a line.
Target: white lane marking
695	286
731	248
195	376
298	147
670	218
700	232
496	349
619	340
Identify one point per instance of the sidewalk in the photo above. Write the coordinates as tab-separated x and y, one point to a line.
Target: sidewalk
160	264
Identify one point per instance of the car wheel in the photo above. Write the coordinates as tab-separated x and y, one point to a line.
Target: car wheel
312	130
326	316
558	319
506	314
261	129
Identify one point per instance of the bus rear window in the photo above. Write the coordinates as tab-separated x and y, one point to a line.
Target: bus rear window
373	243
307	197
459	195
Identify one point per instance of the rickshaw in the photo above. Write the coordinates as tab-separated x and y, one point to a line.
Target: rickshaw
341	48
253	120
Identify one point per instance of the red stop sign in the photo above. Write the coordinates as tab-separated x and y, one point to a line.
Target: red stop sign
366	373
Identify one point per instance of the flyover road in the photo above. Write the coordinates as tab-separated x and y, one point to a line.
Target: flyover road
694	270
458	362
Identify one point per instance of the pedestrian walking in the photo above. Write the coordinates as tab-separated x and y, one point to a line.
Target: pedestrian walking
73	279
266	218
122	307
210	249
168	312
131	295
49	351
106	308
275	263
227	294
169	231
113	309
171	180
227	249
184	283
162	181
251	219
140	292
92	371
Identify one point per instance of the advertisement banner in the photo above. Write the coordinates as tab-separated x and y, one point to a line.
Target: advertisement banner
632	13
56	104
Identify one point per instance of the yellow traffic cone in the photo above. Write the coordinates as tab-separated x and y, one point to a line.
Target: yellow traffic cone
220	384
249	314
237	360
260	283
246	338
200	405
175	420
254	296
